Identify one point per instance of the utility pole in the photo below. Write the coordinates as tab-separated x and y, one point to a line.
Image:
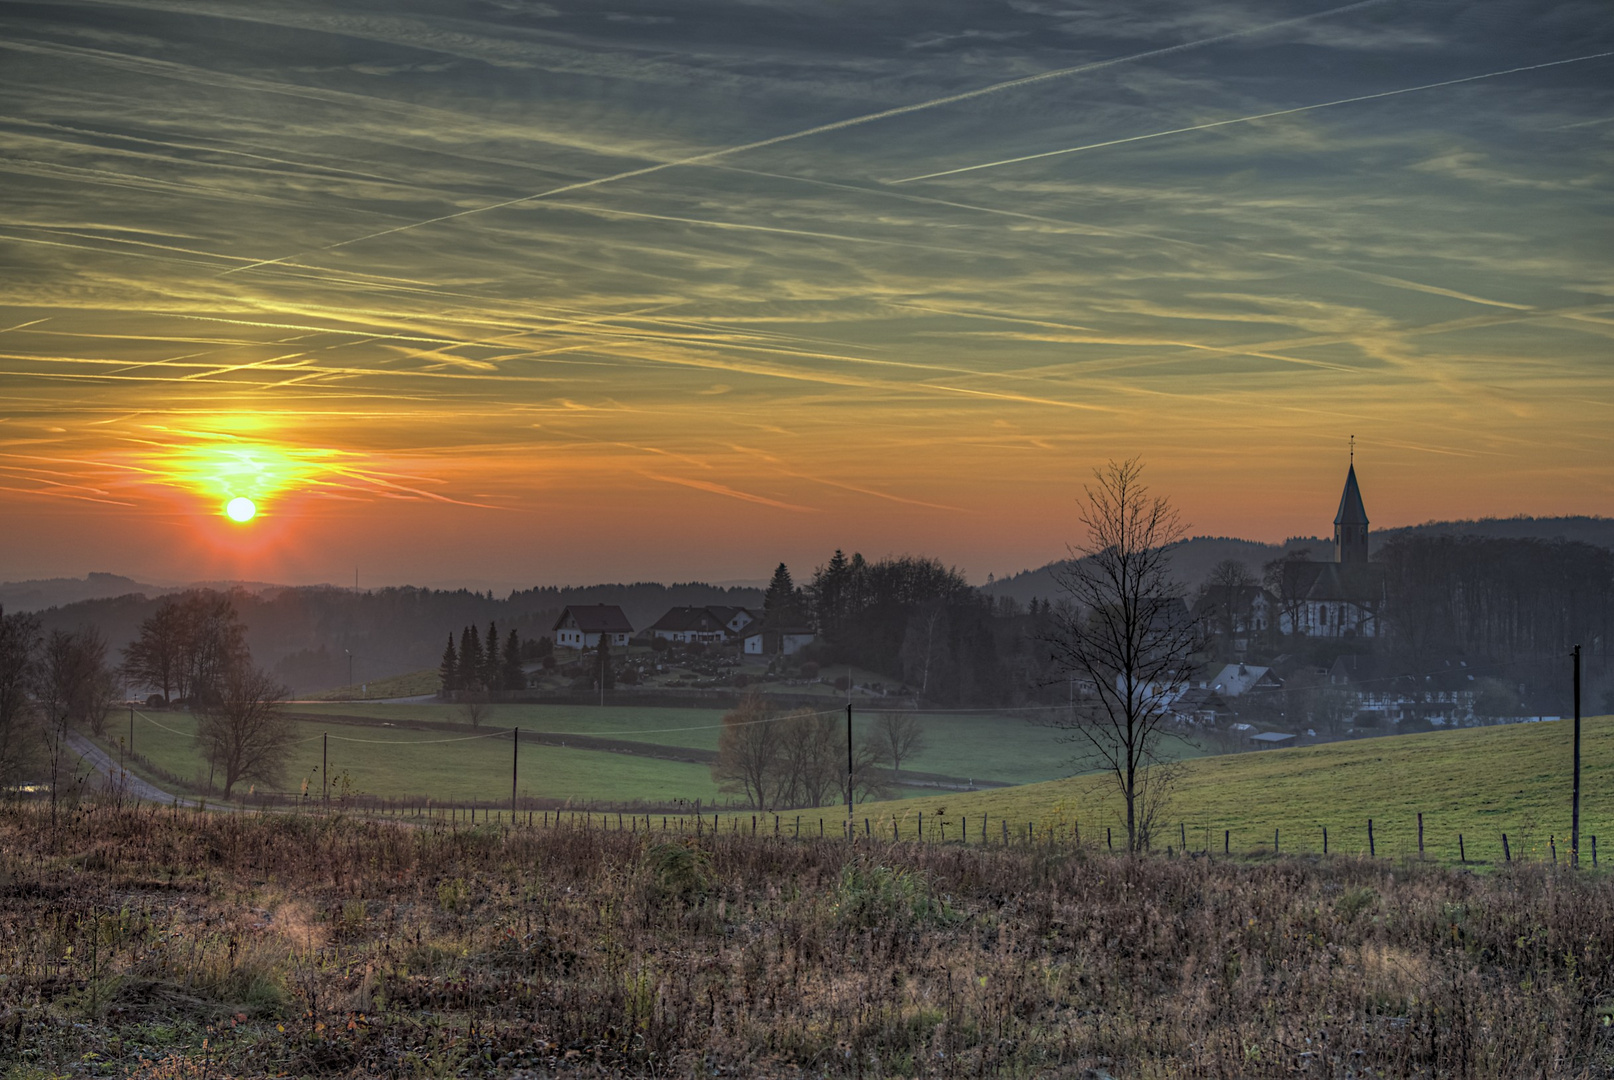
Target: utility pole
1574	813
515	756
131	729
349	666
325	765
849	774
602	667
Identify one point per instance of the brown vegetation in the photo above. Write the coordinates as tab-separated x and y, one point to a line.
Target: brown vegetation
179	943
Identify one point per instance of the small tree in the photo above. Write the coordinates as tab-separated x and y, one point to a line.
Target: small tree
1126	636
475	709
448	672
809	754
896	737
242	733
514	676
492	661
747	751
1227	590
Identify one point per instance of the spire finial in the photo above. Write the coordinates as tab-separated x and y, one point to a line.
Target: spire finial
1353	449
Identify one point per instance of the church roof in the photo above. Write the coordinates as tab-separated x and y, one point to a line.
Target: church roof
1351	510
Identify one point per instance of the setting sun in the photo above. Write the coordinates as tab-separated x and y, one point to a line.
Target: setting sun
241	509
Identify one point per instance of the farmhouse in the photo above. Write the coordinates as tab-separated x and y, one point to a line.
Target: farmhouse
581	625
703	625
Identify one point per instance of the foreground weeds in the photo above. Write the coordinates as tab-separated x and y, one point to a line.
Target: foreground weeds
154	944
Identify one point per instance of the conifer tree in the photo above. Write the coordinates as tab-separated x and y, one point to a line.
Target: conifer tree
514	677
470	659
492	664
449	671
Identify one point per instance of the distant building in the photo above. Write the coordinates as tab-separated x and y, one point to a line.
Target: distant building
580	626
786	641
703	625
1338	599
1237	679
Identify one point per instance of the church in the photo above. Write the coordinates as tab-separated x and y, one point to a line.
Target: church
1341	598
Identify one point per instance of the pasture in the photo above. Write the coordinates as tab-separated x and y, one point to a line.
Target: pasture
449	764
1480	782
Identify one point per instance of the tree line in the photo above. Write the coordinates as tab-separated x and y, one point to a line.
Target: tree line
481	668
192	650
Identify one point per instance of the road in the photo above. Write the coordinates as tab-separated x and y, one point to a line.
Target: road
137	788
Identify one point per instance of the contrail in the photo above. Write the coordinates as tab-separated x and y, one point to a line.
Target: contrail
823	129
1248	119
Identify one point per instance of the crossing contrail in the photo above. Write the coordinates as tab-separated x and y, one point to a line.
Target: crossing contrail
822	129
1246	119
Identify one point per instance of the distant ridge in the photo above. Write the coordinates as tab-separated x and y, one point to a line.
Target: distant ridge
1193	559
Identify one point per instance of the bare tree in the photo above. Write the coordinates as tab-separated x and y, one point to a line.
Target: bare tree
19	719
475	708
896	737
868	779
747	751
155	659
924	645
1288	578
807	759
242	731
1127	637
1227	594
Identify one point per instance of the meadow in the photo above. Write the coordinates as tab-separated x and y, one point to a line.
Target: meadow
448	765
1478	782
160	944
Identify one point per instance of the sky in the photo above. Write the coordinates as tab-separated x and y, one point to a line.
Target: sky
510	292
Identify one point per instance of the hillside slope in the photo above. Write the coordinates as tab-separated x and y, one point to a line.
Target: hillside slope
1481	782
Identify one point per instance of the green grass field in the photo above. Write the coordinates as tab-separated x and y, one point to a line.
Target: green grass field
396	762
998	748
1480	782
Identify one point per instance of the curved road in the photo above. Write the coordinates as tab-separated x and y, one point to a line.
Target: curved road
103	764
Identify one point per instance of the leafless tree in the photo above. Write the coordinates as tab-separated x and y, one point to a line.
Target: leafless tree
20	732
475	708
242	731
748	750
1227	590
808	756
1287	578
1127	637
924	645
896	737
868	778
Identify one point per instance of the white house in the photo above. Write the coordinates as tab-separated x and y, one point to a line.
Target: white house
580	626
785	642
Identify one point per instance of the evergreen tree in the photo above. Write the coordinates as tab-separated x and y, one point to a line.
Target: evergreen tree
514	677
492	664
449	671
470	659
783	605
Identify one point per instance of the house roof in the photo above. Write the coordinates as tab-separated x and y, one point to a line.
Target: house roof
1271	737
1351	510
690	619
1236	679
596	619
725	615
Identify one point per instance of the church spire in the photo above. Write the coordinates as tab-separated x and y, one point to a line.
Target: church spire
1350	524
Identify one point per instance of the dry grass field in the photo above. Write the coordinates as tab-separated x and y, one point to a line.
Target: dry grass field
158	943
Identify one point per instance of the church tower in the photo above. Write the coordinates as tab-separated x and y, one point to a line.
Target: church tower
1350	524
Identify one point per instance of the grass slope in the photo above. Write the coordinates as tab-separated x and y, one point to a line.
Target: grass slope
1481	782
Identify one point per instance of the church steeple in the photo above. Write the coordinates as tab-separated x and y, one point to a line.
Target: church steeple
1350	524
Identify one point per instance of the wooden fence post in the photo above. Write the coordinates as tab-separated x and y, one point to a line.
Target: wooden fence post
1274	841
1507	855
1005	824
1227	840
1594	852
1552	842
1182	831
1462	853
1420	834
1325	839
1109	840
1372	850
